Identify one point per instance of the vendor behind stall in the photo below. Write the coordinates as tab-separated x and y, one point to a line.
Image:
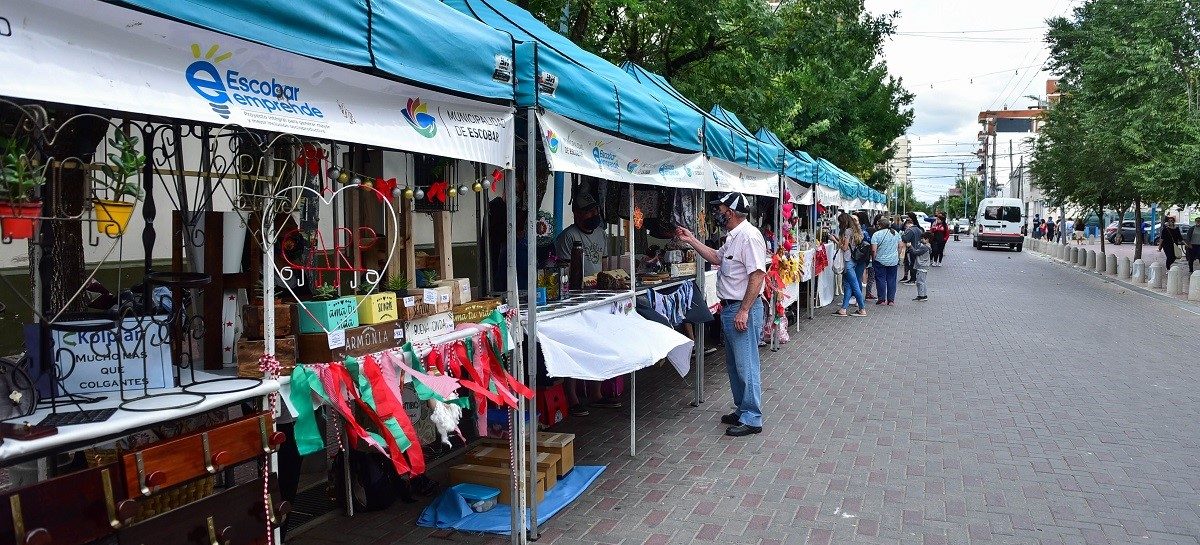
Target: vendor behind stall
587	230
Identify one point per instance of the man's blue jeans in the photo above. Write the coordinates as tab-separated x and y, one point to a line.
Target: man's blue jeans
741	361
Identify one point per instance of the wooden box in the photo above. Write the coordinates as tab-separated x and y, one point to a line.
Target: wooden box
460	290
187	457
473	312
73	509
683	269
248	352
377	308
498	457
495	477
423	260
411	308
329	315
442	297
360	341
236	516
252	320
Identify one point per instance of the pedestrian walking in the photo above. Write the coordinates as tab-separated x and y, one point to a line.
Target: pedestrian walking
742	261
1193	245
850	249
921	249
912	232
1079	235
1050	230
885	245
941	235
1171	241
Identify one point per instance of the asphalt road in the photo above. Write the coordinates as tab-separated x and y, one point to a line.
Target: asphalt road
1024	403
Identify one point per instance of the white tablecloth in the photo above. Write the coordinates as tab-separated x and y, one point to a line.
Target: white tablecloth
598	345
120	422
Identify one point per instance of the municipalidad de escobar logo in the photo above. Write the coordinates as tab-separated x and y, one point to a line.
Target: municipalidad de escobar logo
261	93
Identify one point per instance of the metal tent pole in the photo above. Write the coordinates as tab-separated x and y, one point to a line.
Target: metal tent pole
698	329
633	292
775	298
516	417
531	185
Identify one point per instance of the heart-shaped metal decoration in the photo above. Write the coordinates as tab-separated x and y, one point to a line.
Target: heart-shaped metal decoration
271	235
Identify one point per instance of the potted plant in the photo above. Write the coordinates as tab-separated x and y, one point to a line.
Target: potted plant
326	311
19	180
120	178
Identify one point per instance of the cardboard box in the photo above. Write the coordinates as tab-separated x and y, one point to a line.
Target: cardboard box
562	444
377	308
495	477
248	351
473	312
499	457
441	297
460	290
360	341
322	316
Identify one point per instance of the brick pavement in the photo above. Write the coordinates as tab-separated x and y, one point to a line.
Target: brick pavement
978	417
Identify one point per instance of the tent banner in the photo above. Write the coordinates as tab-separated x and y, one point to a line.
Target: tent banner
727	176
99	55
574	147
800	194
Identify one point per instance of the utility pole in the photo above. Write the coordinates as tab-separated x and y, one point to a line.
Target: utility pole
962	176
992	190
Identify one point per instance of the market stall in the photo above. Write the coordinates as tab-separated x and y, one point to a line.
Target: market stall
275	206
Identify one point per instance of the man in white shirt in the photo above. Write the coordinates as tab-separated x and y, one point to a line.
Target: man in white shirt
743	268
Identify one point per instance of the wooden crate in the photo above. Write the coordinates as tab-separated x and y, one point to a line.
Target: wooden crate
499	457
247	353
495	477
360	341
252	320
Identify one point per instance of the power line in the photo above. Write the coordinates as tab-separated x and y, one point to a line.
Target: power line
977	31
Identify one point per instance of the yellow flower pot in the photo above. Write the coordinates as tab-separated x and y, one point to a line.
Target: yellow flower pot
113	217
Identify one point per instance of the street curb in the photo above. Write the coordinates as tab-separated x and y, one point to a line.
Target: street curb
1183	305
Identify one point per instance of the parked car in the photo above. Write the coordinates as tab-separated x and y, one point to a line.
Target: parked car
1128	232
961	225
998	223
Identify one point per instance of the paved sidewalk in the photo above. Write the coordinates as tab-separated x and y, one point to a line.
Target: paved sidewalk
978	417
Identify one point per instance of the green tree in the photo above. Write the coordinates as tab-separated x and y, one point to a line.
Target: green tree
1125	130
810	70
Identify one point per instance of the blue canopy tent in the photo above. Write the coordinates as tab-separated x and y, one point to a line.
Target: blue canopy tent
761	155
798	167
588	88
420	41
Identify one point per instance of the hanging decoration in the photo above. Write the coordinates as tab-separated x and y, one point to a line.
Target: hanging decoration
384	187
437	191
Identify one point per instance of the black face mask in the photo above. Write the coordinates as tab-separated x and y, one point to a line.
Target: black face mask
591	223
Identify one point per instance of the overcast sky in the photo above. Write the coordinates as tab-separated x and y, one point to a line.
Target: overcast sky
959	58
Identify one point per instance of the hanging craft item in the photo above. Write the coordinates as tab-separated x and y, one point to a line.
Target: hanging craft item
437	192
545	231
383	188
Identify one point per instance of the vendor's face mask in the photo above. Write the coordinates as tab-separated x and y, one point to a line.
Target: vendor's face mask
723	218
592	223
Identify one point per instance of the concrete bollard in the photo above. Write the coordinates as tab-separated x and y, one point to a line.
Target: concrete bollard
1110	264
1091	259
1194	287
1123	268
1175	280
1138	272
1156	278
1185	284
1101	262
1074	255
1081	259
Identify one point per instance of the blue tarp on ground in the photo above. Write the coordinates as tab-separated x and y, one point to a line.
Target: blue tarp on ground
450	511
590	89
421	41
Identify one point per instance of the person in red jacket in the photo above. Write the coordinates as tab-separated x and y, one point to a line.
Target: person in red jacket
941	234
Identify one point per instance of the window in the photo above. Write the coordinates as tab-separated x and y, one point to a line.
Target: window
1002	213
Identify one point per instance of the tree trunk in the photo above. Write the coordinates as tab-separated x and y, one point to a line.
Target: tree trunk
67	192
1137	228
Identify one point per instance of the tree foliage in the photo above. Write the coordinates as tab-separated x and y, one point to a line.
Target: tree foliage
810	70
963	205
1125	130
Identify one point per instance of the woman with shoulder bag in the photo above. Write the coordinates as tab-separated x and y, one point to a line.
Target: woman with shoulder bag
1170	241
850	237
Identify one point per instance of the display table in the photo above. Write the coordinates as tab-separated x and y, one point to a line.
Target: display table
120	423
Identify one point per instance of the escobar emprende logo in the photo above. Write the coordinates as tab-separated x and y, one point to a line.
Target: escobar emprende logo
605	159
552	141
259	93
417	115
633	165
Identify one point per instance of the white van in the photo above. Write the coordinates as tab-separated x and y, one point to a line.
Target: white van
998	223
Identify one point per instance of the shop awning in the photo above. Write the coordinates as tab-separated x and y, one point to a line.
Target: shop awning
123	60
580	85
421	41
796	167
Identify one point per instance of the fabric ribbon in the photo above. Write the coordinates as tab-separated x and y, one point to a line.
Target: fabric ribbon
384	188
437	191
